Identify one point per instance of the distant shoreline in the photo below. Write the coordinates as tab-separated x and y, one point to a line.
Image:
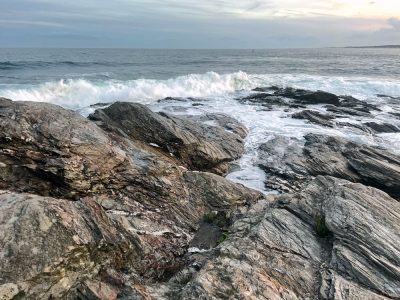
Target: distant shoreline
382	46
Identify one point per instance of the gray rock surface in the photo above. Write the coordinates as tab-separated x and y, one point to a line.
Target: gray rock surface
277	252
199	146
289	164
121	213
91	212
382	127
315	117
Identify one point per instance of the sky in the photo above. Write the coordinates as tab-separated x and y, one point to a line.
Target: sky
198	23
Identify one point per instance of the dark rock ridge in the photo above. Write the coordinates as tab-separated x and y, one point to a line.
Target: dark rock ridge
93	211
315	117
382	127
289	164
291	98
199	146
328	120
334	108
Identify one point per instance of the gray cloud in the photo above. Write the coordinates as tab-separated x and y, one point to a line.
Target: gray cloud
394	23
185	24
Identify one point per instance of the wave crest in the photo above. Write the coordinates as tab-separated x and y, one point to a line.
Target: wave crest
80	93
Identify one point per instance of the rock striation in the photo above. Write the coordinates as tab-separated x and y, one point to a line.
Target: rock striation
95	213
199	146
333	240
289	163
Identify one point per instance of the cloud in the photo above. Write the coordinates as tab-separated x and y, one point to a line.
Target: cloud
191	23
394	23
31	23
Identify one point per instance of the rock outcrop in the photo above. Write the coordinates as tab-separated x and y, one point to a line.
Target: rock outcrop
102	210
200	146
297	98
96	214
333	240
290	164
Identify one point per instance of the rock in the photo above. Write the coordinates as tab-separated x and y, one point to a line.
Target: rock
328	155
394	99
327	120
222	120
8	291
396	114
134	214
198	146
359	105
357	126
315	117
340	106
365	226
300	96
276	252
48	150
65	242
280	96
283	160
348	111
267	100
100	104
382	127
308	97
102	214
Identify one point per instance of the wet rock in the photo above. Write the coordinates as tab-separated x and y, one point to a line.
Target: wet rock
282	159
100	104
267	100
358	126
308	97
199	146
180	99
222	120
315	117
282	96
396	114
291	98
382	127
353	103
389	97
289	166
348	111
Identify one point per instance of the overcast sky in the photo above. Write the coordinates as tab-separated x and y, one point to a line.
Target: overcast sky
198	23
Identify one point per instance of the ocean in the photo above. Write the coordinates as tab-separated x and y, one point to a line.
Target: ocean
79	78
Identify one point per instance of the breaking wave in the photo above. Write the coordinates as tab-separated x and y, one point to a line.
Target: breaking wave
80	93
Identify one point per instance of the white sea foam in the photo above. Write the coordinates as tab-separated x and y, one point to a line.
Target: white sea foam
80	93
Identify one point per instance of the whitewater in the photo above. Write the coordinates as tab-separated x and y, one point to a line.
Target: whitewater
81	93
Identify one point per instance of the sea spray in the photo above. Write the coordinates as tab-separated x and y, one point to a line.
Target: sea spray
81	93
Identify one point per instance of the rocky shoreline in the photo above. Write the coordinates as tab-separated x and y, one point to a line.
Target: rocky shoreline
132	204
